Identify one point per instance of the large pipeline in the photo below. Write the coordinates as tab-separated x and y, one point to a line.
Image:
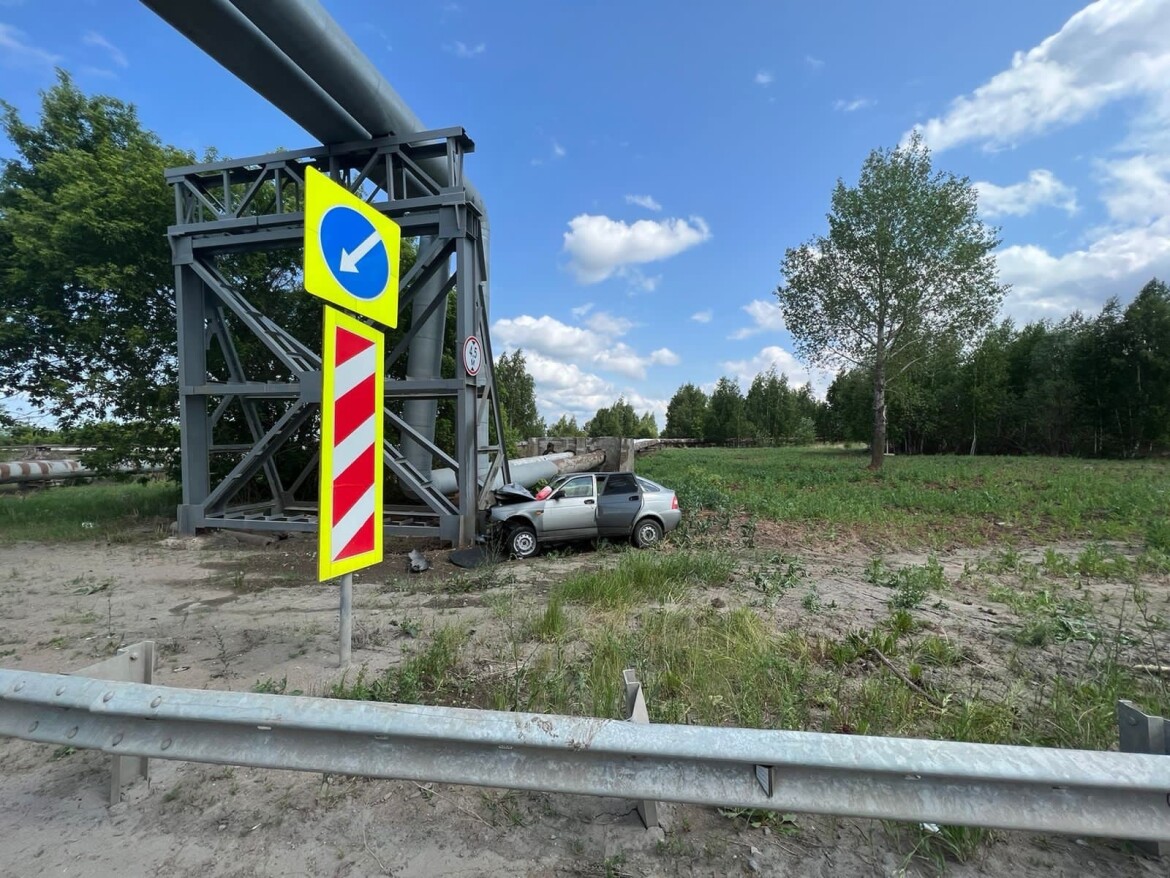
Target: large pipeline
20	471
527	471
296	56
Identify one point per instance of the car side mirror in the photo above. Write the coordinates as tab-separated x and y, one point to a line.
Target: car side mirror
559	495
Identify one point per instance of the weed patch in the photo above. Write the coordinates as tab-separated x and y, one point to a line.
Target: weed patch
640	577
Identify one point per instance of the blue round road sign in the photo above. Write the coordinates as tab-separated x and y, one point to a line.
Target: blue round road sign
355	252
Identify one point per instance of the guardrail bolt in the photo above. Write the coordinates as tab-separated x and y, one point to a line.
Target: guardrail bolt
157	701
107	696
18	686
32	727
60	690
117	739
166	745
71	732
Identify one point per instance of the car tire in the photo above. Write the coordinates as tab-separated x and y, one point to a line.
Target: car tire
647	533
522	541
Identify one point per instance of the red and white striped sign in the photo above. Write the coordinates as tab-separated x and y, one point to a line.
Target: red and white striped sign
350	532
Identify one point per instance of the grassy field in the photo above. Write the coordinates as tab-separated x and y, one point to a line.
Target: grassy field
115	512
930	501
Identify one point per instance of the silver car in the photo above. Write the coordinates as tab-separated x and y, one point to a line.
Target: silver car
584	506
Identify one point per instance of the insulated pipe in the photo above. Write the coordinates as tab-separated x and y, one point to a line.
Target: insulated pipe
18	471
424	359
224	33
306	32
527	471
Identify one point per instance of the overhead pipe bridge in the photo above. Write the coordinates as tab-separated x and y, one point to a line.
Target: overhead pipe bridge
299	59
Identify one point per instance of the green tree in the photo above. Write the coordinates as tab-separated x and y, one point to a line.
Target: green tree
906	258
725	412
647	427
686	413
517	396
565	426
620	419
87	326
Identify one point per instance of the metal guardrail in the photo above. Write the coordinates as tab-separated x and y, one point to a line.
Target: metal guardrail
1121	795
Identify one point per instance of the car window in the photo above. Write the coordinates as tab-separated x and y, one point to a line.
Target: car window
620	483
579	486
648	485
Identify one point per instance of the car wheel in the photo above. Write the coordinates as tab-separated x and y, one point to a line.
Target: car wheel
647	533
522	541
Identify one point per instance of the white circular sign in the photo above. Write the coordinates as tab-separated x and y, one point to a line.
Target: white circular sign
472	355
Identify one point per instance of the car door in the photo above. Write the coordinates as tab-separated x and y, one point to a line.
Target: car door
573	515
618	505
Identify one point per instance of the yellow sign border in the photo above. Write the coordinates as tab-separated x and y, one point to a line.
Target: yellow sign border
326	567
321	195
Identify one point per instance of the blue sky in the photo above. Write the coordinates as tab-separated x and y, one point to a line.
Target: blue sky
647	163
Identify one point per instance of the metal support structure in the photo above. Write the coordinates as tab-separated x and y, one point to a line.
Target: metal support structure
636	712
254	205
1009	787
1139	732
132	664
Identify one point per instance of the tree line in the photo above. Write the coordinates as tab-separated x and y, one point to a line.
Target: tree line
1093	386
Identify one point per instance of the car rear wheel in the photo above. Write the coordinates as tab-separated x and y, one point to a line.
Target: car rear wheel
648	532
522	541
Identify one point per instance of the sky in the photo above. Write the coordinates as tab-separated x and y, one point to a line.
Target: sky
646	164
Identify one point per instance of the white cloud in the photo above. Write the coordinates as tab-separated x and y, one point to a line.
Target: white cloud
462	50
599	246
595	345
1137	188
1116	261
607	324
1111	49
581	310
702	316
764	77
853	105
785	363
813	62
646	201
1113	53
765	316
639	282
566	389
1041	189
559	151
16	51
93	38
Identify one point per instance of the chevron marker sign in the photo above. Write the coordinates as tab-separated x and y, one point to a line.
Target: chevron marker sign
352	384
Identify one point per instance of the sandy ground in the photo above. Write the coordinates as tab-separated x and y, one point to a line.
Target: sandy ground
226	615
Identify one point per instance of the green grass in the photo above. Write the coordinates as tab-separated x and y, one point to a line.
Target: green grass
114	513
935	500
701	666
641	577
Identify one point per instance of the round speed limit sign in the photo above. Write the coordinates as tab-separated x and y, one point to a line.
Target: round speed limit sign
472	355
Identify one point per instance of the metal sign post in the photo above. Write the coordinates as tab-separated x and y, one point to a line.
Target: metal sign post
351	260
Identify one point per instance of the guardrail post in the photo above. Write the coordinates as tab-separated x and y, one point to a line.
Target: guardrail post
1139	732
636	712
132	664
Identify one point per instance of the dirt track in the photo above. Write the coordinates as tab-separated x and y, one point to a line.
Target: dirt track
226	616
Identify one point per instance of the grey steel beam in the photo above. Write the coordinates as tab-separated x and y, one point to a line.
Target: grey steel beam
194	424
1009	787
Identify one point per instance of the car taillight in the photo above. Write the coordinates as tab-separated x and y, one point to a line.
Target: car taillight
674	502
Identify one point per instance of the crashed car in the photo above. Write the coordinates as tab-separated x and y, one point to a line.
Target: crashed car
583	506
